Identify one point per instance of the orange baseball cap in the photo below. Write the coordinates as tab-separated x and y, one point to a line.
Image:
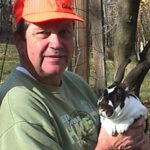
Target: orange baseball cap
35	11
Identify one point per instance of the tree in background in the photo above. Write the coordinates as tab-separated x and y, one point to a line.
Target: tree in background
5	19
125	34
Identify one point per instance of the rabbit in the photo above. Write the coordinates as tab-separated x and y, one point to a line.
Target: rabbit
119	105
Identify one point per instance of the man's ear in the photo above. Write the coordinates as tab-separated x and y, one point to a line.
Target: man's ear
20	43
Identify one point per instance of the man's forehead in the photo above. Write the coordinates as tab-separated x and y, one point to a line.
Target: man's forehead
47	26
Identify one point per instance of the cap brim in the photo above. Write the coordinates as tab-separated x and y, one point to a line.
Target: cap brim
41	17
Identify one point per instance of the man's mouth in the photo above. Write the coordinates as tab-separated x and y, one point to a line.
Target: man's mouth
55	56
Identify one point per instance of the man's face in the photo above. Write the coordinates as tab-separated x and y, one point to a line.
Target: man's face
49	47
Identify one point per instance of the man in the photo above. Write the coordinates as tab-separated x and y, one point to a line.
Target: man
43	106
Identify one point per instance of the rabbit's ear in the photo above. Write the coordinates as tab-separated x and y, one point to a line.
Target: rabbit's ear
136	76
120	73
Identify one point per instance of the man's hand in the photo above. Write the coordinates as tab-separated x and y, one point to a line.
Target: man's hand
133	139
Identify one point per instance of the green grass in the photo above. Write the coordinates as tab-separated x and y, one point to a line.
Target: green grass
11	60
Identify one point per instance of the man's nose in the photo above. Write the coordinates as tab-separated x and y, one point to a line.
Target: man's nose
55	41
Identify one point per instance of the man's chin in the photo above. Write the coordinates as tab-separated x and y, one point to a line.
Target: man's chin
52	71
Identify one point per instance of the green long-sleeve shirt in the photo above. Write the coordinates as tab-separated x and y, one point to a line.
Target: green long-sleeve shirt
34	116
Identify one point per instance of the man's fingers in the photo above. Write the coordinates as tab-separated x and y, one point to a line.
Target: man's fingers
130	142
138	142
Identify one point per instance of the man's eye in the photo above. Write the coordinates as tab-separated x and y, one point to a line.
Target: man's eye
65	33
42	34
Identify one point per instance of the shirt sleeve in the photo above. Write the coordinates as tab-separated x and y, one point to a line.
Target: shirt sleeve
26	136
27	125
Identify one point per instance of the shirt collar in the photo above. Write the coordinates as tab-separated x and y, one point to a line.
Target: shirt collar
25	71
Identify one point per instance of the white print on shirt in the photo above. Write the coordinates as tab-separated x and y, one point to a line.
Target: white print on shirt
80	125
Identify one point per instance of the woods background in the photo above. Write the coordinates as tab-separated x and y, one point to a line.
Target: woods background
113	31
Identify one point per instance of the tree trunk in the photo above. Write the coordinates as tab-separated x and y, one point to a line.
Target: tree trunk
98	43
82	44
125	34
